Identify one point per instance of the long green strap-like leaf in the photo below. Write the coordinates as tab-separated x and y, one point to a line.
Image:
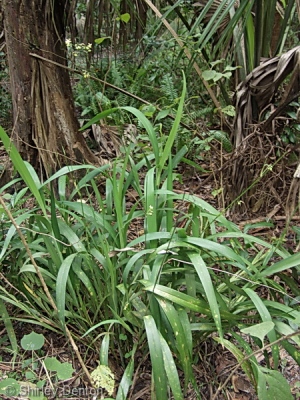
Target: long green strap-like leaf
265	316
127	377
171	370
172	135
157	361
286	263
9	327
184	351
22	169
208	287
61	285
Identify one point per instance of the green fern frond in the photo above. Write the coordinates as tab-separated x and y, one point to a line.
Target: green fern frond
168	88
117	77
122	100
202	112
223	138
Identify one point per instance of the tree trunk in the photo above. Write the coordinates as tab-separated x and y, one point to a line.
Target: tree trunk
45	126
141	19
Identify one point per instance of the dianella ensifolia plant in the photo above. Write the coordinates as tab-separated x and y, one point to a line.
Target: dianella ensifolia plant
159	274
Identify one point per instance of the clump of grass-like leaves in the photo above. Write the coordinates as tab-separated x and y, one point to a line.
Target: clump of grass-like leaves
149	275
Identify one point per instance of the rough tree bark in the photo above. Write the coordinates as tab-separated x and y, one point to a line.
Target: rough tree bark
45	126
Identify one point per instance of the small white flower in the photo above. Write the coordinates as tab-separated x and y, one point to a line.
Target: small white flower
150	210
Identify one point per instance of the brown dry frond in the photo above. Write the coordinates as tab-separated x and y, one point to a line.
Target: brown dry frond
257	92
258	177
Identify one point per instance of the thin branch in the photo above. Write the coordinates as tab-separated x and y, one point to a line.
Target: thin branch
251	355
274	114
187	53
76	71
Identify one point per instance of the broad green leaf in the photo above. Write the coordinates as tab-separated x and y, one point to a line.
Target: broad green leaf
184	316
33	341
209	74
226	75
229	110
217	62
101	40
272	385
230	68
181	232
259	330
218	76
250	34
9	387
125	18
184	300
131	263
54	218
64	371
177	297
52	363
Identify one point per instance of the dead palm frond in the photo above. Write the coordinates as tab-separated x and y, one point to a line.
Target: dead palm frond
275	80
256	93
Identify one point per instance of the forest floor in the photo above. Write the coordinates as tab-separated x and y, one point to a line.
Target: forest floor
215	365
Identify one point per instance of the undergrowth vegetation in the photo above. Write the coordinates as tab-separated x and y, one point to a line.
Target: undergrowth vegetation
117	258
